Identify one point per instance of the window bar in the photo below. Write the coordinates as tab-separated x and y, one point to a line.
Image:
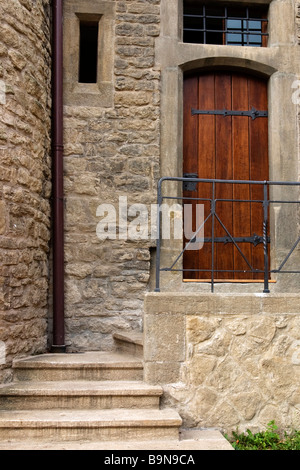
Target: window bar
204	24
226	26
232	31
247	25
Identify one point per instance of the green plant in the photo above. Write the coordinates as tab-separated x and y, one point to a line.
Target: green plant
270	439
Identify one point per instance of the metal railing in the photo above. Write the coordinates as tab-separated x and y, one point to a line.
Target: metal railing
265	201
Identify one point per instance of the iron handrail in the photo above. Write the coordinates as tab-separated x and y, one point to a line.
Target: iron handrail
265	238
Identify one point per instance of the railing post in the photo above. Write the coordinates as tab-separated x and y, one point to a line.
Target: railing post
213	211
265	239
158	243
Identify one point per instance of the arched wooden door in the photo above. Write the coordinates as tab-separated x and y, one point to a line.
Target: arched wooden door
232	146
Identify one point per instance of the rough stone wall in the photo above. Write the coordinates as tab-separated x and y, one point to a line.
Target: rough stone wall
234	361
241	371
112	152
24	178
297	6
298	21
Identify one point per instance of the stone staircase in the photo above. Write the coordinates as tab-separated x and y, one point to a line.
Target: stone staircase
92	400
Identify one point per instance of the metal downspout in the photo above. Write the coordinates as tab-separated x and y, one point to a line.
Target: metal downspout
57	180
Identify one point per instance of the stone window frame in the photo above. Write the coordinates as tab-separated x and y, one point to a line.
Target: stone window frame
98	94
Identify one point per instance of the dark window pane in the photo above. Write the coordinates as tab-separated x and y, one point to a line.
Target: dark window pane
88	55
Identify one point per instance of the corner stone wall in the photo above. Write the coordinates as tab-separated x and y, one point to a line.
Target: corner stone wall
25	183
298	21
231	360
112	152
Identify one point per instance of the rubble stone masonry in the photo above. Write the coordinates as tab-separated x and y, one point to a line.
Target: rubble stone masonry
298	21
235	363
25	183
111	151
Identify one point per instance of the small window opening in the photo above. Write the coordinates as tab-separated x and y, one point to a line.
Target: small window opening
234	25
88	54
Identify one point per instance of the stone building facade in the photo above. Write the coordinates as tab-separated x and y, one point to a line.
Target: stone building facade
122	132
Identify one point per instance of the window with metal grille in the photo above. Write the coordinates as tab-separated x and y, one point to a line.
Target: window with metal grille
234	25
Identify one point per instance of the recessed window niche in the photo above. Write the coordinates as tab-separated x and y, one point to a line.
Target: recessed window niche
88	52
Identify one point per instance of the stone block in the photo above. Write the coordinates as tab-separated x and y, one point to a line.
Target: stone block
163	373
164	340
3	217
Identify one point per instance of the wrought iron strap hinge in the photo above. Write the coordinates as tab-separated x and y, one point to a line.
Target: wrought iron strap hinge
253	113
254	239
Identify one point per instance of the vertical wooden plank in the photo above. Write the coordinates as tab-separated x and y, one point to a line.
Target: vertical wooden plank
259	162
206	161
241	210
190	159
224	170
190	125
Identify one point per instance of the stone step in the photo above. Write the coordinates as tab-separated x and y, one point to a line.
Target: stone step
193	440
129	342
92	400
79	366
102	425
79	395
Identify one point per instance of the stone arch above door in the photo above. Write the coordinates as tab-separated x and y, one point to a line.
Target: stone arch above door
229	63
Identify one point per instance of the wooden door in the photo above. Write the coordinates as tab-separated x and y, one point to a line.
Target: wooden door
226	147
